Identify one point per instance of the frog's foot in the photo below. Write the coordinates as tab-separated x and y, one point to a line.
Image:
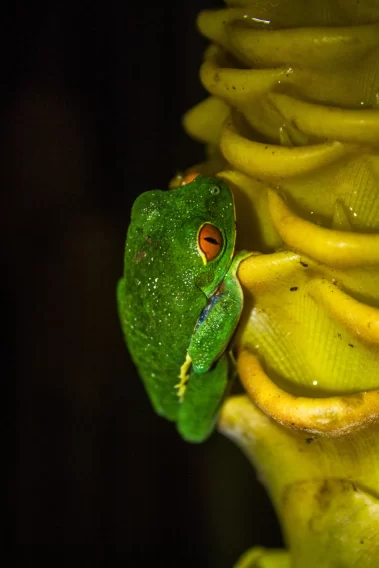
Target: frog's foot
258	557
183	376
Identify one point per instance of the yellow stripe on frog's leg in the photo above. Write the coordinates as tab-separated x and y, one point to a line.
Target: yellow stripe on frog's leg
183	376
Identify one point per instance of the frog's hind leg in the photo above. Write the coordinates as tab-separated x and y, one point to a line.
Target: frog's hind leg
184	376
202	401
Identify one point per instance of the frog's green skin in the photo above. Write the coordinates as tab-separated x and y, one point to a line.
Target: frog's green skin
166	286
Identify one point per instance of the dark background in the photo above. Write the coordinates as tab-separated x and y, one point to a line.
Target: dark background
92	99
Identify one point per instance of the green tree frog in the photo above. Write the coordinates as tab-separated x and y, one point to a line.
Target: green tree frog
180	300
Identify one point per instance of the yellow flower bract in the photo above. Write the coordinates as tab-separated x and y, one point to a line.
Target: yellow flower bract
292	125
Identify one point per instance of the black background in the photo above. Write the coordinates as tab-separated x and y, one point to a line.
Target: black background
92	100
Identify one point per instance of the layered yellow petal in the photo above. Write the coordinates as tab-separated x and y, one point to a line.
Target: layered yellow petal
292	125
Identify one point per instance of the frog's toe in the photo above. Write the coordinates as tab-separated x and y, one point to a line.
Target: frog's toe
258	557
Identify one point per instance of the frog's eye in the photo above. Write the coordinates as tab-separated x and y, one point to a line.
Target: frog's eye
214	189
209	241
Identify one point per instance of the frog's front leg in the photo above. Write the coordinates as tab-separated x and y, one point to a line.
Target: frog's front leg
218	320
206	374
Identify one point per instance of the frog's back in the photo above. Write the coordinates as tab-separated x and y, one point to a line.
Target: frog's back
166	282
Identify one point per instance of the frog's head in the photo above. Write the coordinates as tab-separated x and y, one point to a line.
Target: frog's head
193	226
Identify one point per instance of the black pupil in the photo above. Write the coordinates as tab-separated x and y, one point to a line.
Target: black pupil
211	240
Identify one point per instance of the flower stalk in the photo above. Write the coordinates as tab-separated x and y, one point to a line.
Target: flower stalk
292	125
